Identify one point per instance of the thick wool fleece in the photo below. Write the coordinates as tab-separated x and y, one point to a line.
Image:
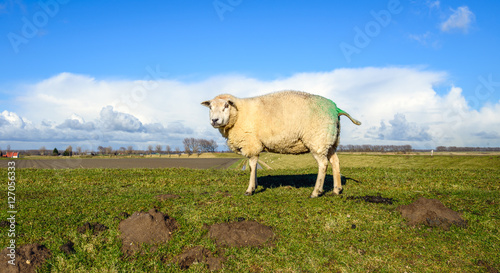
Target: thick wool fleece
288	122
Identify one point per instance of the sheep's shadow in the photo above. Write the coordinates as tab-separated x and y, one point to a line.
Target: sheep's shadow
298	181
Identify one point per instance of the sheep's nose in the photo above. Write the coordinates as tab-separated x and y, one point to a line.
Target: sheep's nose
214	120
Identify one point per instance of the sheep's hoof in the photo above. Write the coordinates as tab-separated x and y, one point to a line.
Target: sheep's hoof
337	190
249	193
313	196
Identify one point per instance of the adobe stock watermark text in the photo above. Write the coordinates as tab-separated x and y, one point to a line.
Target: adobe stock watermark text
11	211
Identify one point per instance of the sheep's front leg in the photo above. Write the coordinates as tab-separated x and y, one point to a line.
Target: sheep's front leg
253	175
320	180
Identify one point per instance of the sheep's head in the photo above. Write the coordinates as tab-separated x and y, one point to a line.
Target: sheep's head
220	111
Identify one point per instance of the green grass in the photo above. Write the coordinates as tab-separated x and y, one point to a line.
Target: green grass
279	161
313	235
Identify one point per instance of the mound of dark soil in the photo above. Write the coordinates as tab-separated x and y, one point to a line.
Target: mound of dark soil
95	228
432	213
487	267
244	233
68	248
373	199
28	258
152	227
199	254
163	197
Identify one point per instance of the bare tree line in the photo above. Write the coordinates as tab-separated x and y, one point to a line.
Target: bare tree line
376	148
467	149
199	145
408	148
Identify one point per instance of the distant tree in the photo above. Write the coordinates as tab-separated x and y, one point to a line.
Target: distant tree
213	146
55	152
42	150
150	149
350	148
203	143
441	149
158	149
194	144
8	148
187	146
108	150
122	150
79	150
407	148
168	150
130	149
178	151
68	151
205	146
199	150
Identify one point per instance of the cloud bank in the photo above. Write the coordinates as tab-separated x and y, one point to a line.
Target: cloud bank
397	106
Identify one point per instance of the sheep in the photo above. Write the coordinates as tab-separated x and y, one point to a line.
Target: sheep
286	122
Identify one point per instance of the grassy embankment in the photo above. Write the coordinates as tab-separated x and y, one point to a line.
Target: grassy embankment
312	235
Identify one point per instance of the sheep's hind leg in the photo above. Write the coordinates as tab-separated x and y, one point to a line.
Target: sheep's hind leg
337	182
253	175
320	180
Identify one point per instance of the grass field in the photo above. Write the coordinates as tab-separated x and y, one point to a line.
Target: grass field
326	234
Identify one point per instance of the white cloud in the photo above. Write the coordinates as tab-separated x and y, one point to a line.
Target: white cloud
460	19
400	129
116	121
397	105
11	119
75	122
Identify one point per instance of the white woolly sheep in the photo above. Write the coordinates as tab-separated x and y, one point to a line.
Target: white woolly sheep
287	122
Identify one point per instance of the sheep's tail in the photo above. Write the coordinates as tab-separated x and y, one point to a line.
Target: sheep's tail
344	113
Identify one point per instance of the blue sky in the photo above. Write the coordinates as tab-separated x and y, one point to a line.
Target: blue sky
449	49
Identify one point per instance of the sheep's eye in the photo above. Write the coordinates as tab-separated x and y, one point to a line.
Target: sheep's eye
226	106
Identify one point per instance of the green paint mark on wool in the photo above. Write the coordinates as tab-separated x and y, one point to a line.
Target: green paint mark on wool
327	106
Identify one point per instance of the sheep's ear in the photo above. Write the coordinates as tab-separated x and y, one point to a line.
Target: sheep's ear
230	102
206	103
